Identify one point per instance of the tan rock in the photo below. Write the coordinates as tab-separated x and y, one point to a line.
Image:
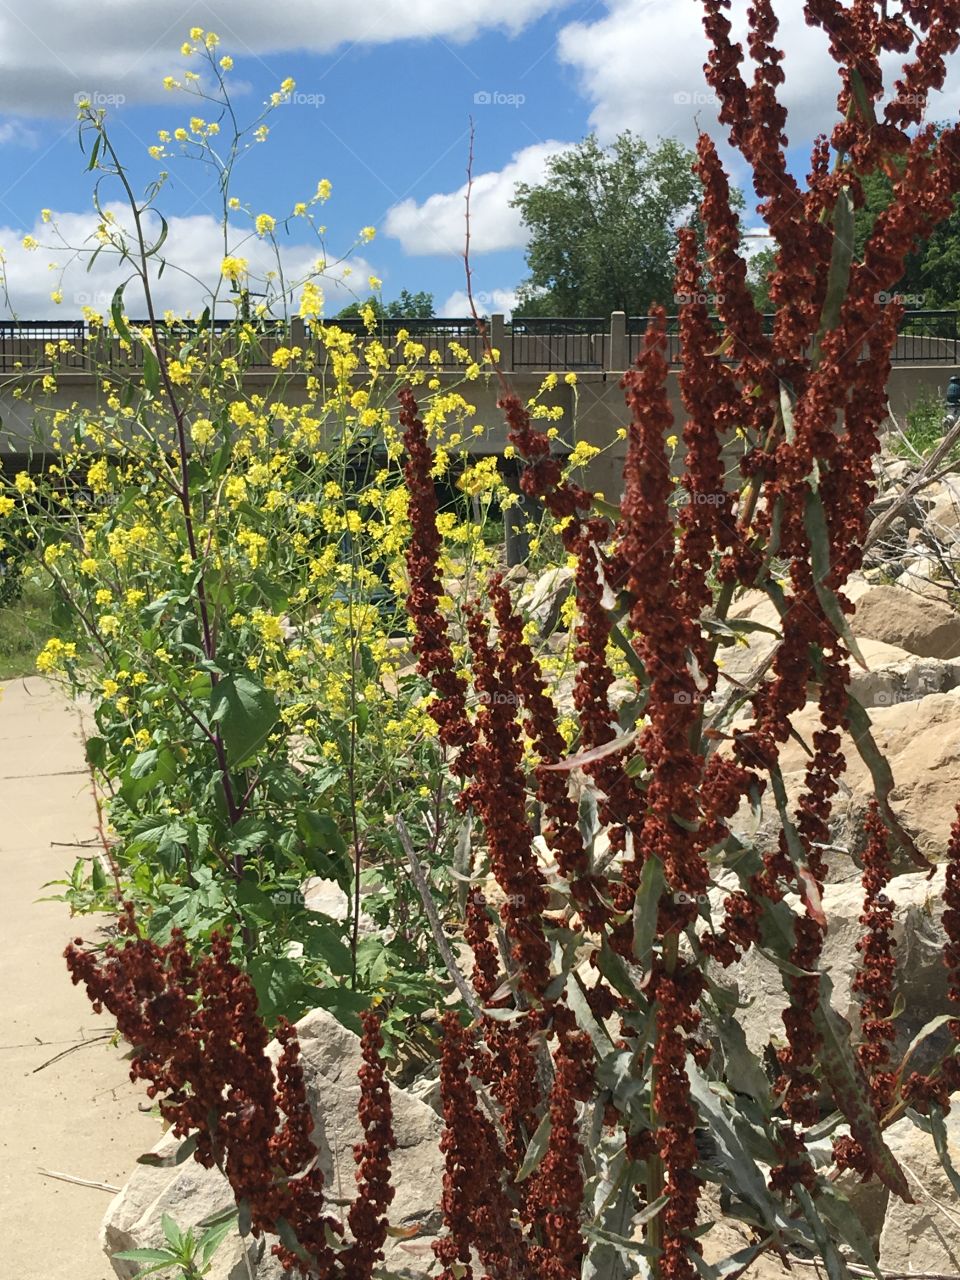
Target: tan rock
923	1237
331	1058
897	616
921	974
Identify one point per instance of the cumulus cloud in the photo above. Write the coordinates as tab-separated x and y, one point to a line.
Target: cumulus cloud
489	302
437	225
193	251
51	50
641	65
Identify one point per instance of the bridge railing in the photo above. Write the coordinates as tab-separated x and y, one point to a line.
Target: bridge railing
527	344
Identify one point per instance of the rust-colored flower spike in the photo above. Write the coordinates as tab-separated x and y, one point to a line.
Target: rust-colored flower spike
201	1045
562	828
874	983
432	641
920	1090
498	792
664	638
477	1212
555	1194
367	1216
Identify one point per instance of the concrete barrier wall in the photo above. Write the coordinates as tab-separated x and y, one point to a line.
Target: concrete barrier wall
594	410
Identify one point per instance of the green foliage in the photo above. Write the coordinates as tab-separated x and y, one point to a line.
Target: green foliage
25	624
408	305
932	275
924	427
603	227
191	1253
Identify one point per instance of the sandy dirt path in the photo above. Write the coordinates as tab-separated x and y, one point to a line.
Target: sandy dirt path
79	1115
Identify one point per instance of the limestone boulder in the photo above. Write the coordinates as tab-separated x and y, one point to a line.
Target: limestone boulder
542	598
921	740
923	1237
928	628
921	974
188	1193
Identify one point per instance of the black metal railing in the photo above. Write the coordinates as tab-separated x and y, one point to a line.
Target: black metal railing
528	344
558	343
928	337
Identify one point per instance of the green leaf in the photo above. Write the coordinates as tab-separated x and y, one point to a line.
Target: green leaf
183	1152
96	751
861	731
215	1236
939	1130
116	311
98	877
851	1091
798	854
928	1029
288	1239
245	711
162	1257
838	1212
836	1267
607	509
645	906
151	371
742	1170
536	1149
815	521
838	278
172	1232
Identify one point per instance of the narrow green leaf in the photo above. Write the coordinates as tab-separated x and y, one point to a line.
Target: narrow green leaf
941	1143
838	278
537	1148
836	1267
851	1091
838	1212
162	1257
815	521
182	1153
645	906
116	312
861	731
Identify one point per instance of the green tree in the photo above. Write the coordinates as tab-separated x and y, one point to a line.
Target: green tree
417	305
932	275
603	226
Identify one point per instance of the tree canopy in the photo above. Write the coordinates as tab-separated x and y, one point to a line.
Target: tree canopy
603	226
417	305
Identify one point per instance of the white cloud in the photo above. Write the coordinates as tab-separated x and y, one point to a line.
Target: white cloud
641	65
15	133
193	250
53	49
437	226
489	302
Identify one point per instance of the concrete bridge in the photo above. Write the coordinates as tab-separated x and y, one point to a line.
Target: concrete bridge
597	349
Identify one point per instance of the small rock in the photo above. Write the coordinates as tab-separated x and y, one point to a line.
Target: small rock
542	599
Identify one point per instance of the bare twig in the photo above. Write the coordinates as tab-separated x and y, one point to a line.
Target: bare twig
925	476
433	915
81	1044
79	1182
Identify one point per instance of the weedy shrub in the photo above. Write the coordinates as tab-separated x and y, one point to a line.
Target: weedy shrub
224	534
594	1041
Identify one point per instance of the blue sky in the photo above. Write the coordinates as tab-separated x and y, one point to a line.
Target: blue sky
385	93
